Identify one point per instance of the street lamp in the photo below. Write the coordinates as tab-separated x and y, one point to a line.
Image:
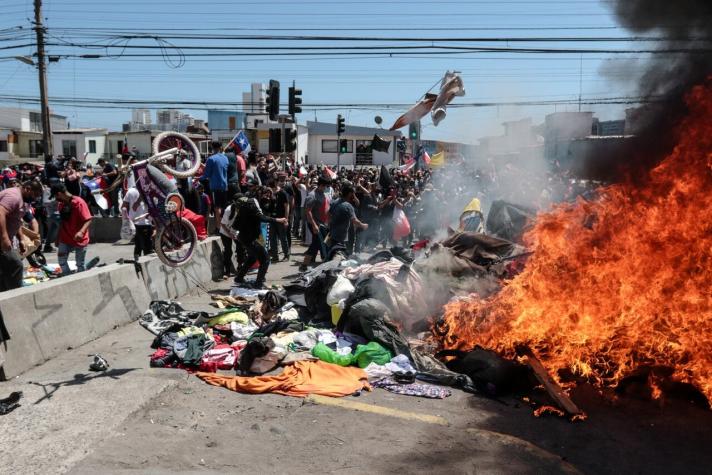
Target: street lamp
26	60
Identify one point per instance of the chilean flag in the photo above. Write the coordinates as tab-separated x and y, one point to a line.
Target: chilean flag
407	165
240	142
96	187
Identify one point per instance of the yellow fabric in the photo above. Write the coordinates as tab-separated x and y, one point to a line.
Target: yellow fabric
299	380
473	206
437	160
187	331
239	317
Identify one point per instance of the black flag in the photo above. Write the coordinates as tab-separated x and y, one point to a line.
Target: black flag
379	144
386	180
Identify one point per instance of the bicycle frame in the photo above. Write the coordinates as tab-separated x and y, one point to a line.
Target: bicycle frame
151	193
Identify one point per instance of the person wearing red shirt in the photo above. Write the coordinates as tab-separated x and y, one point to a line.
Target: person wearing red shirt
75	219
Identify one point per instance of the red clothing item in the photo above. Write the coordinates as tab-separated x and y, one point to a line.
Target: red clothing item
242	170
198	222
78	215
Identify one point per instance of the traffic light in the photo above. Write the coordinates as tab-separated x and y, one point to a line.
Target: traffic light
340	125
413	130
290	140
343	145
275	140
295	100
273	100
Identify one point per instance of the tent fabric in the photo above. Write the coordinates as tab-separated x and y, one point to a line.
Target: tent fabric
299	380
417	112
509	221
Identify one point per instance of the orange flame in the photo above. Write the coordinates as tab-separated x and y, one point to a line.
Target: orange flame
618	283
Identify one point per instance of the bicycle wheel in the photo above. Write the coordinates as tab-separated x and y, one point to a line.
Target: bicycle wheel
175	242
186	149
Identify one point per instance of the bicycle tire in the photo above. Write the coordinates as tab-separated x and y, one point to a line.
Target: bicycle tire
166	136
159	250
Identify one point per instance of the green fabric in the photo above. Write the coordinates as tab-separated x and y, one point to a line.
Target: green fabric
363	356
194	352
229	317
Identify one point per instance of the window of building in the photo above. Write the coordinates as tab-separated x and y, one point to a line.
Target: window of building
364	152
35	148
3	145
332	146
35	122
92	146
69	148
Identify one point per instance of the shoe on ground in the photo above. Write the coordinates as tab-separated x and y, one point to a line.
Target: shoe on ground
286	259
303	268
48	249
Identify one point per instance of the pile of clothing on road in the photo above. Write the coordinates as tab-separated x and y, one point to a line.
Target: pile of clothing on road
335	330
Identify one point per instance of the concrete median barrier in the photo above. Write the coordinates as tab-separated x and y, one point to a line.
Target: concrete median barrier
164	282
45	319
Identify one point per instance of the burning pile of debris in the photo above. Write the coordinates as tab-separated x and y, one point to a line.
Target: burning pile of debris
616	287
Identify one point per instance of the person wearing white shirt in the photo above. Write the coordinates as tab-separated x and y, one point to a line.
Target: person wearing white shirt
228	236
138	214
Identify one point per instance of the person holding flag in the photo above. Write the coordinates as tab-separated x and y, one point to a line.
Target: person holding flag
241	146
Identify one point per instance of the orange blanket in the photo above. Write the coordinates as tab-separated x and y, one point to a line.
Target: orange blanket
298	380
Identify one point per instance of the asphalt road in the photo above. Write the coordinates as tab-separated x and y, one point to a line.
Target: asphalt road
138	419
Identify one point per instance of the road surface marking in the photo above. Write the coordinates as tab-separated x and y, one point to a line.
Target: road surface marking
384	411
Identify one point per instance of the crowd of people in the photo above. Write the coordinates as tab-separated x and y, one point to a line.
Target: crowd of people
261	205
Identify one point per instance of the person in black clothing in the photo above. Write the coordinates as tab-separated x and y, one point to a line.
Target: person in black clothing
233	177
248	221
278	232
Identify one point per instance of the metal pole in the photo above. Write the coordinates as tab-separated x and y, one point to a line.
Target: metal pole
41	66
296	131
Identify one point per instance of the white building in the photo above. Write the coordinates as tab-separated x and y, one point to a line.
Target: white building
21	133
141	116
255	100
88	145
323	145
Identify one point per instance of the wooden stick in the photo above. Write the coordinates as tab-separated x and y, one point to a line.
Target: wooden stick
554	390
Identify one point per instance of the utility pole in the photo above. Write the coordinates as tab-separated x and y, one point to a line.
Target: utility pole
42	68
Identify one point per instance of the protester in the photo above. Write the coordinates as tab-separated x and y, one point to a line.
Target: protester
248	222
204	202
138	214
216	174
233	177
109	173
13	206
228	236
74	228
342	217
317	215
252	176
278	232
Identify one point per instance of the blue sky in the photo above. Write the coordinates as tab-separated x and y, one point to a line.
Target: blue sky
488	77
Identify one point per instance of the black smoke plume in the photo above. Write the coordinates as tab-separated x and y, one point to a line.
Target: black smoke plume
683	25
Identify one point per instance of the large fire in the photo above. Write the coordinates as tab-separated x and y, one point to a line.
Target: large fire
619	283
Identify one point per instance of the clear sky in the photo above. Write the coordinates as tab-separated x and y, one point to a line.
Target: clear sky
369	78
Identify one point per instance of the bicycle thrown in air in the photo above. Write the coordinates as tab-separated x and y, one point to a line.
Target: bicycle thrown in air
175	237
